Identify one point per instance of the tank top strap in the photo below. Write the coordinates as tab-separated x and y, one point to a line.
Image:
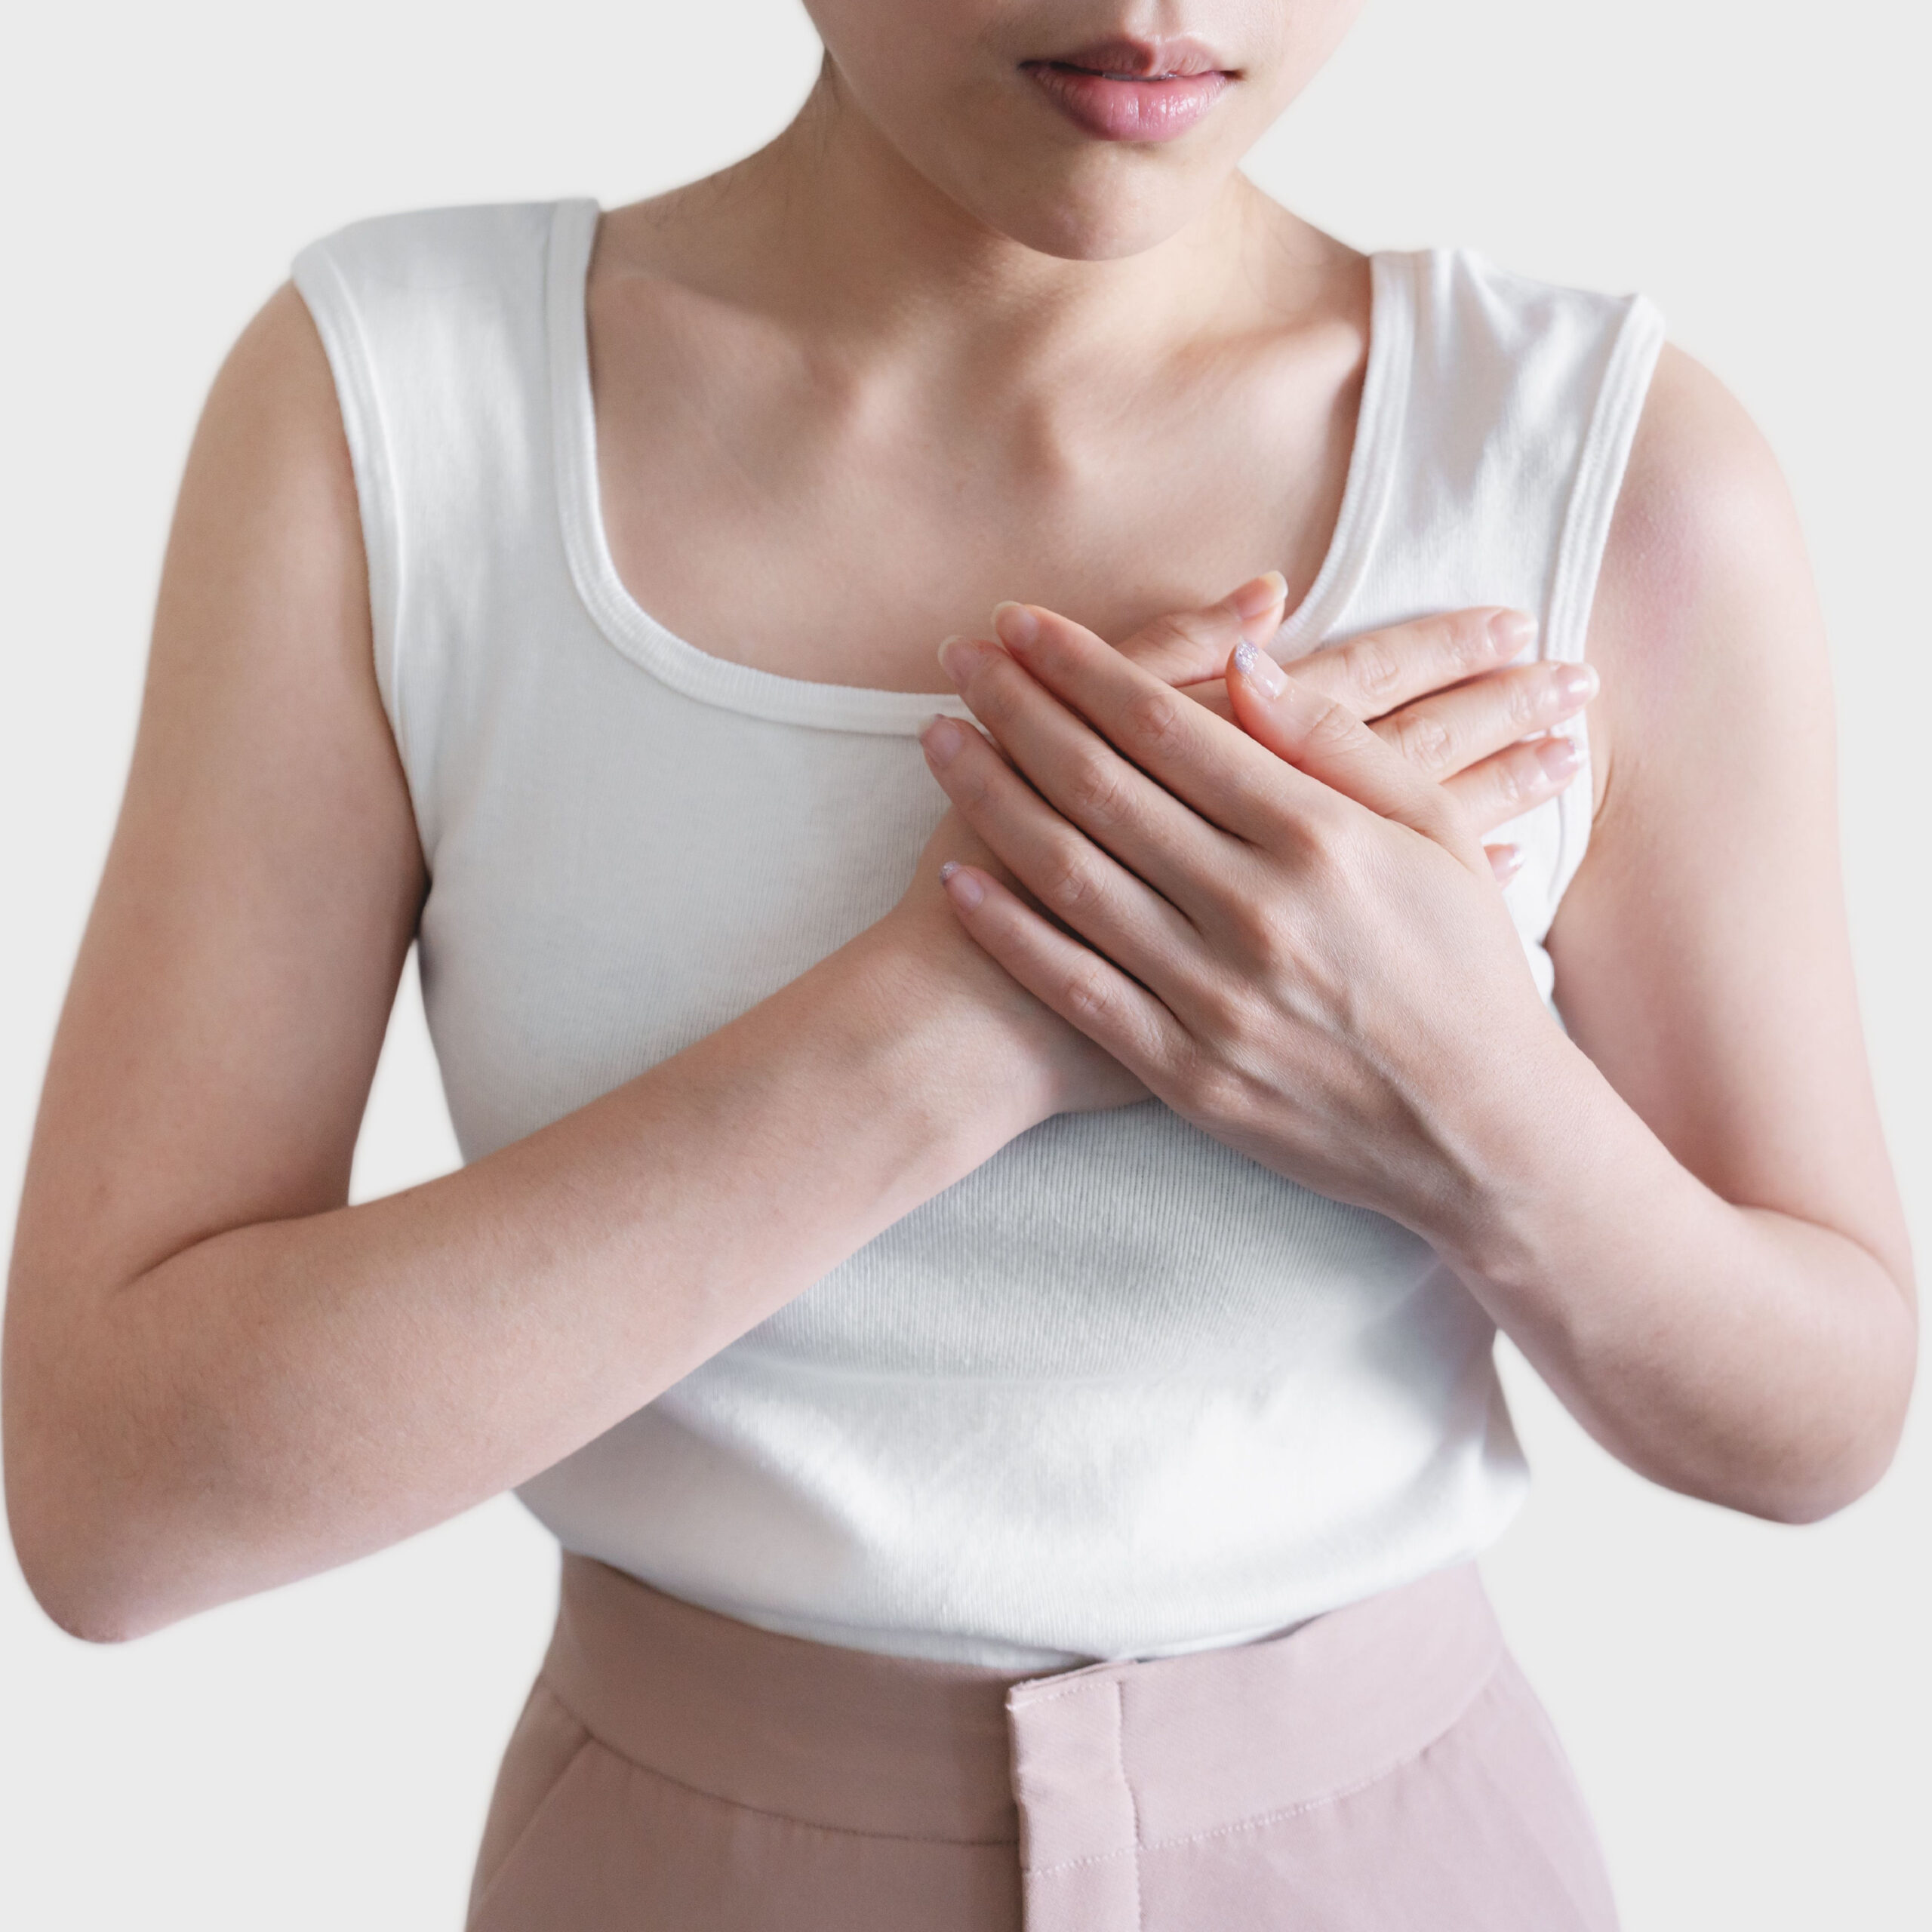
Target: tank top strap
435	327
1503	421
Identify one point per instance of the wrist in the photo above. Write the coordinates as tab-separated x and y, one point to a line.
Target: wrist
1532	1153
955	1025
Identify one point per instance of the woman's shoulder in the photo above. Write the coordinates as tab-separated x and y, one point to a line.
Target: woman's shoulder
1697	462
1700	466
410	305
425	249
1706	615
1468	310
1704	514
1696	519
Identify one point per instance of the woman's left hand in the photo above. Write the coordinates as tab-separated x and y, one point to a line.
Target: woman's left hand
1289	934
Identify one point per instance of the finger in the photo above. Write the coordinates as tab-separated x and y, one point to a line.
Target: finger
1371	675
1082	776
1211	694
1212	767
1515	781
1086	991
1449	730
1187	647
1319	737
1505	861
1501	705
1071	878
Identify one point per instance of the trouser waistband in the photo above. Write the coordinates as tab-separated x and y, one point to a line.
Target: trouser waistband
1077	1766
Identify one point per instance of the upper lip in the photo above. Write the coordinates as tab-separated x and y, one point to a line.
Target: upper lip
1138	60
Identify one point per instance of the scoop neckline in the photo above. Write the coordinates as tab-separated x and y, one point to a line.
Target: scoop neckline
775	699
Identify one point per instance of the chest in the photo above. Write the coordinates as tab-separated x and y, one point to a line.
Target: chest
826	518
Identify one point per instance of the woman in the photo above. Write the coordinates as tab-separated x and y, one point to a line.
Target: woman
823	1272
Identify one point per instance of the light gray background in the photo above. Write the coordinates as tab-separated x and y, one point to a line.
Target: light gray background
1747	1706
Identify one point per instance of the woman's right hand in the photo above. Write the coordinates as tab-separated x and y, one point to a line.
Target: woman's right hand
1442	689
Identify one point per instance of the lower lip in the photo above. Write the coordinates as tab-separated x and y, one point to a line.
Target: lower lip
1129	110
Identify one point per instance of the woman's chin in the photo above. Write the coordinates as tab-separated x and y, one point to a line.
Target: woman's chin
1097	220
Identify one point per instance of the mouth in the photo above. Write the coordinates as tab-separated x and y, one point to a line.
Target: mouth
1133	90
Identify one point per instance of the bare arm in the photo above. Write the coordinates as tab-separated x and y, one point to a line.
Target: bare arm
1683	1213
218	1376
1748	1333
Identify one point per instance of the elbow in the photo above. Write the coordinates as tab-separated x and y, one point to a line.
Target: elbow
81	1569
1797	1503
86	1617
76	1604
1794	1495
78	1590
86	1594
1835	1449
88	1530
1802	1467
1808	1489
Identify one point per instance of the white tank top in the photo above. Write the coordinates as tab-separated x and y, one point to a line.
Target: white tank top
1120	1391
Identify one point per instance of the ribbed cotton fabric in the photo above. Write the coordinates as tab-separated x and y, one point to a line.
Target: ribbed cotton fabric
1119	1392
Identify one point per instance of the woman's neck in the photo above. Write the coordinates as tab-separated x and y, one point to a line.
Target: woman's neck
838	418
829	231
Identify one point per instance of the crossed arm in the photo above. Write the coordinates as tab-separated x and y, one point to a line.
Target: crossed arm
1294	939
219	1377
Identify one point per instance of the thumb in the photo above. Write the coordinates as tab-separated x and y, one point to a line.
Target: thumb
1315	735
1190	646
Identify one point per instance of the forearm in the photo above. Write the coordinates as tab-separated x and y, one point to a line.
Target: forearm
1733	1352
1297	943
282	1397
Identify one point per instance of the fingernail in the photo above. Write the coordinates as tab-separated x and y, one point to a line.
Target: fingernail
1259	669
959	658
1559	757
1260	595
1511	631
1576	684
1506	862
963	886
1015	623
943	737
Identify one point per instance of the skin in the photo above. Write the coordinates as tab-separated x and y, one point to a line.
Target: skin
1108	380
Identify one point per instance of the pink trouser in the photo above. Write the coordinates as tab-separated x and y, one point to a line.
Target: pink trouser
1385	1768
